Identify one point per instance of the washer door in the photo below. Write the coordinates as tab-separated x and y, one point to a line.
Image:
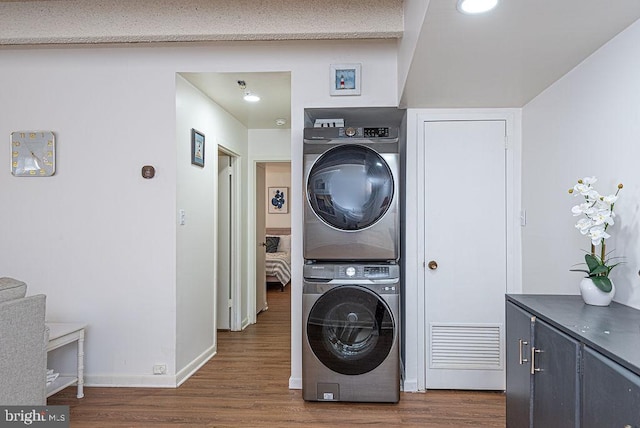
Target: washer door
350	187
350	330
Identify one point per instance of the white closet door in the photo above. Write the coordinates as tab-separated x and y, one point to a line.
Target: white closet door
465	252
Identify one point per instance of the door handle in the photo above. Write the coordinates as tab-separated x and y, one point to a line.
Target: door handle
535	351
433	265
522	343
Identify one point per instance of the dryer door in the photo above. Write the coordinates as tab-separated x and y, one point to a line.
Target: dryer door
351	329
350	187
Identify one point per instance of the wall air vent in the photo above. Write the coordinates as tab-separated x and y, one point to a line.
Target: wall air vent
466	346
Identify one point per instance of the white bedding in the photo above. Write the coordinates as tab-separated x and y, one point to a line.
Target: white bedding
278	264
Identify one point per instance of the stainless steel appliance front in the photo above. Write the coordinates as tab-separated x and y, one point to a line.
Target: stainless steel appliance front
352	190
351	333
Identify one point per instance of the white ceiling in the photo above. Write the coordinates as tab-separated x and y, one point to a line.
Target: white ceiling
273	88
508	56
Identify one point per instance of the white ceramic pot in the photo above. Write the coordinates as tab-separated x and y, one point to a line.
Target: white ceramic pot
592	295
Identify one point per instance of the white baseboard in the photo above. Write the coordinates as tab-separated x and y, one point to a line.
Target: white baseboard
140	381
295	383
410	385
194	365
151	380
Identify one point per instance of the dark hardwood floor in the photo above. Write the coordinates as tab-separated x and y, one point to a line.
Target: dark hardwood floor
246	385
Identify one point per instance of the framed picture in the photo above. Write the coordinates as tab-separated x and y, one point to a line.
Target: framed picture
197	148
278	201
345	79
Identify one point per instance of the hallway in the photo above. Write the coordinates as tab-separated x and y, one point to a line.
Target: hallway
246	385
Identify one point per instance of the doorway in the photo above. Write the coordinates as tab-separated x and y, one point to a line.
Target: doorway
271	176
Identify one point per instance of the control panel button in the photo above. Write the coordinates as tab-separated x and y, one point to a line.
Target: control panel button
351	271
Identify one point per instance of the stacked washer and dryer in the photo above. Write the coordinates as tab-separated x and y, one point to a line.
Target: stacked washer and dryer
351	288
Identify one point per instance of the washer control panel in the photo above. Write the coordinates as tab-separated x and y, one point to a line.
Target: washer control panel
363	272
329	271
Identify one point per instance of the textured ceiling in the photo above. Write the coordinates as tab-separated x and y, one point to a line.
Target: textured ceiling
109	21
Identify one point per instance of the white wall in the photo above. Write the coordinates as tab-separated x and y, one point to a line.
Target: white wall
96	238
196	239
101	241
587	123
414	13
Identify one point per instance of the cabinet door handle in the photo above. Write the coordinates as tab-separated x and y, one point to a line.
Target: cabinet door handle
534	351
522	343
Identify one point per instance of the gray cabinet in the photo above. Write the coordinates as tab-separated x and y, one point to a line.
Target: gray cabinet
555	364
611	393
542	373
519	333
583	361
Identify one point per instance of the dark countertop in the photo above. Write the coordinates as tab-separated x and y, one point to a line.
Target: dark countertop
612	330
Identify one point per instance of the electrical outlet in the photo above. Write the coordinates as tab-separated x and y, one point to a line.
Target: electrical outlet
160	369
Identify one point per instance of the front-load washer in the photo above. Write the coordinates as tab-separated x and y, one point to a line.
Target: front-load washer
352	190
351	321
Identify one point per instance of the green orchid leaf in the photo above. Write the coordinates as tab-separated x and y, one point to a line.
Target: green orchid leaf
600	269
592	261
580	270
602	282
614	265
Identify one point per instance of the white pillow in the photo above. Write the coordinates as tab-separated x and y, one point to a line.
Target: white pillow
285	244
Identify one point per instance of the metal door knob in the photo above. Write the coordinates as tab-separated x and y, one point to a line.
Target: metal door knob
433	265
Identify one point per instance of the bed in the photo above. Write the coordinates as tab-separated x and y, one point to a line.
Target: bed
278	256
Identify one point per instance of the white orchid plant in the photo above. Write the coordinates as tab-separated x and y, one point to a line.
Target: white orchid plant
598	215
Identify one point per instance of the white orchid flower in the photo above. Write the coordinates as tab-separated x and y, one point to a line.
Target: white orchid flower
597	234
592	195
589	180
602	217
581	189
610	199
583	225
584	208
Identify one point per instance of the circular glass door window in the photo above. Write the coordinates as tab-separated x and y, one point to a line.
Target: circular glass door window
350	187
351	330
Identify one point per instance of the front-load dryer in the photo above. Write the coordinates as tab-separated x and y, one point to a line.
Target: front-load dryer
352	190
351	321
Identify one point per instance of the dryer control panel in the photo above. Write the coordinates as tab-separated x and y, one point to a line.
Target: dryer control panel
378	132
371	133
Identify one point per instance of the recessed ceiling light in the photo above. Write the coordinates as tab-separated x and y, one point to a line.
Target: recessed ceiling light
252	98
281	122
248	96
476	6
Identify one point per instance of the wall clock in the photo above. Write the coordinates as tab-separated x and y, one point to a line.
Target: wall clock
33	153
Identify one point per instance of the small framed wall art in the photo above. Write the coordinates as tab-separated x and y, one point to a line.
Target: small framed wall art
345	79
278	200
197	148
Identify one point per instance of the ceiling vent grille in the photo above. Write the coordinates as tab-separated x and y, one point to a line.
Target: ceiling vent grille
466	346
